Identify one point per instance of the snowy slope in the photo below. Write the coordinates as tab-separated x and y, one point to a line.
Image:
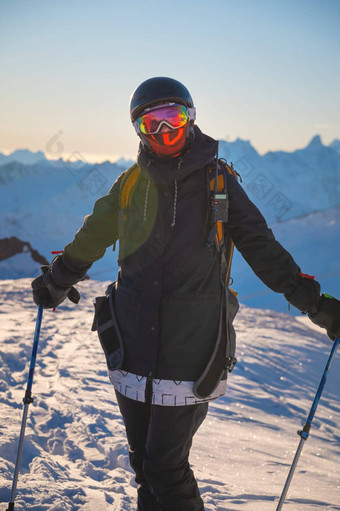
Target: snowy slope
12	267
75	455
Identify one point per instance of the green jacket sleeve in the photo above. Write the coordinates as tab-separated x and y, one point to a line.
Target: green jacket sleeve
98	231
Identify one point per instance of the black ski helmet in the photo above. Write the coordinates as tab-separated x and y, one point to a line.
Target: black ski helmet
156	90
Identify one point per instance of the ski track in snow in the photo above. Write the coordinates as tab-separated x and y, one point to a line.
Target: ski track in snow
75	455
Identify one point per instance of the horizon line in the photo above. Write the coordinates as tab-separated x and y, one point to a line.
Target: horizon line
93	158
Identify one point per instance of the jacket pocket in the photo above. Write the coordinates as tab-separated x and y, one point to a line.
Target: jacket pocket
105	323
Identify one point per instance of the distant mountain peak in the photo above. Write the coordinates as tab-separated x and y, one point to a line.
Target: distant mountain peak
24	156
27	152
335	144
240	145
242	141
315	142
124	163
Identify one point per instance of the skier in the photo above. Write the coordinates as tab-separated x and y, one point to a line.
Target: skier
167	297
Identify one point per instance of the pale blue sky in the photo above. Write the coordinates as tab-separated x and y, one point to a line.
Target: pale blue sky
266	71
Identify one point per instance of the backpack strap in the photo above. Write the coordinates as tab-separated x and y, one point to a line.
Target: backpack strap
222	359
217	234
229	242
127	186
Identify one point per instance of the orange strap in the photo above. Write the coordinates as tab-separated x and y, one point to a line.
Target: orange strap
127	186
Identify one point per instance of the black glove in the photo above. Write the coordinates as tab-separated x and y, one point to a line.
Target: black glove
48	294
328	315
305	295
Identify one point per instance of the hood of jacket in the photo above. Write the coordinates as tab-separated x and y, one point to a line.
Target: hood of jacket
163	171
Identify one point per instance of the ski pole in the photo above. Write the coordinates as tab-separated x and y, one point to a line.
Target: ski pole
304	433
28	399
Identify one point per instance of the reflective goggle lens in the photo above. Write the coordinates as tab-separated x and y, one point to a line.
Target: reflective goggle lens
174	116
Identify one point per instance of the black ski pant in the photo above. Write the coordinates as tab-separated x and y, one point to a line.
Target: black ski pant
160	439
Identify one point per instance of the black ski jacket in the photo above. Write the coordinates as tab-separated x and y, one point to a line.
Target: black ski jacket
168	290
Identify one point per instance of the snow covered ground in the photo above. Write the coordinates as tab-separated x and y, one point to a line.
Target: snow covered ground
75	455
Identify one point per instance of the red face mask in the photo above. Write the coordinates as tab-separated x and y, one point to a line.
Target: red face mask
168	143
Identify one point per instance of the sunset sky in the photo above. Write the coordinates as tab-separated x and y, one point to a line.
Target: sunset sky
264	71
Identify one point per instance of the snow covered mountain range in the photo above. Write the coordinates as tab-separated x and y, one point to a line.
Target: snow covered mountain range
23	156
43	202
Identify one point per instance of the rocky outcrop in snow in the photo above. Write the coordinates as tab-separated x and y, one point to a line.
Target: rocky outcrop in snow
12	246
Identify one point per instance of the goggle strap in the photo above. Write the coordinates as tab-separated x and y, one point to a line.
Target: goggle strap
136	126
191	113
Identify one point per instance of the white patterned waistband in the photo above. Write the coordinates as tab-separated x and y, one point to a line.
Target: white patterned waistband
164	392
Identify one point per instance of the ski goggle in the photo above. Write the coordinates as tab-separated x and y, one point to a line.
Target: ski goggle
172	115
